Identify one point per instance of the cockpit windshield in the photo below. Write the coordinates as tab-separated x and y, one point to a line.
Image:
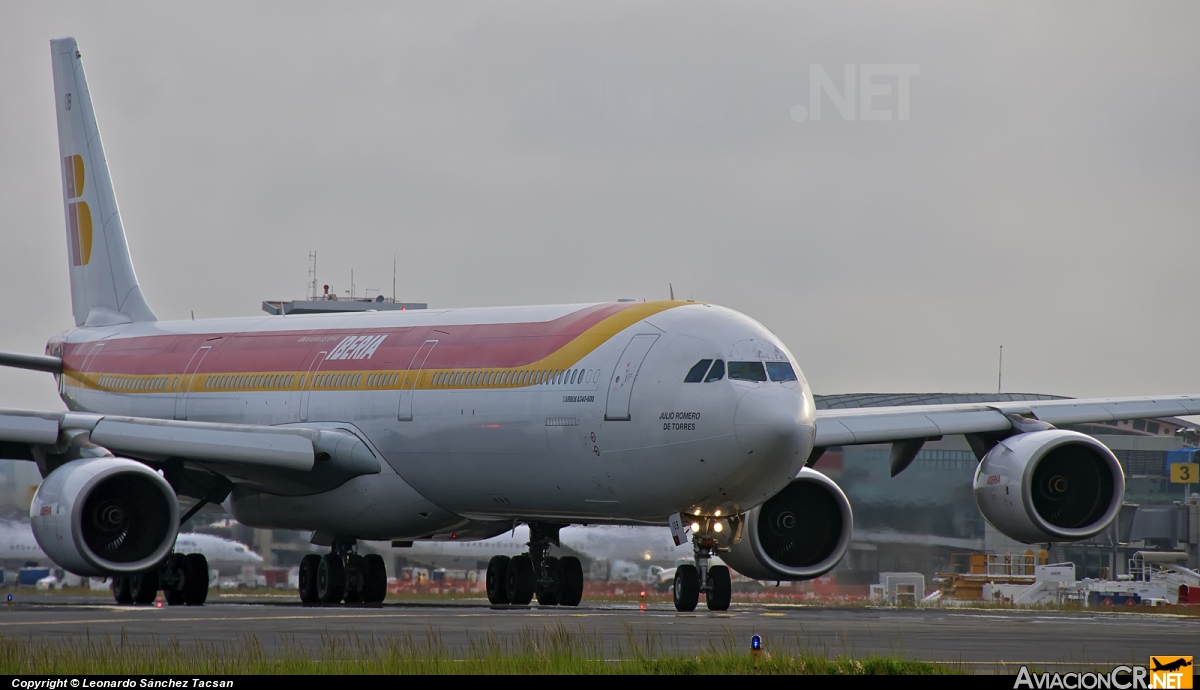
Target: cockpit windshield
747	371
717	372
781	371
696	375
708	370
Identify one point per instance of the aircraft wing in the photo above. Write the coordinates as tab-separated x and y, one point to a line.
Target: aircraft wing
298	459
846	427
908	427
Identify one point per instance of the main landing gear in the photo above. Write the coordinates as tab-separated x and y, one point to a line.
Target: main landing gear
554	581
183	579
713	581
342	575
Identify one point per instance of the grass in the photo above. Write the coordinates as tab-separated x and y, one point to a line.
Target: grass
552	650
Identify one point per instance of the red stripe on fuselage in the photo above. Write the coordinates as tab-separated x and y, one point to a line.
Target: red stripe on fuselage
474	346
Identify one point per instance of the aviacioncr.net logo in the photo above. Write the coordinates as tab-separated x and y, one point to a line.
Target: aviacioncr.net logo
1162	673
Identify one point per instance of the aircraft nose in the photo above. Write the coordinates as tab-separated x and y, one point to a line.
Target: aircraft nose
768	418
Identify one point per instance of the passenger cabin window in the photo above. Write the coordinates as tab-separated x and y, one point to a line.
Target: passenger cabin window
747	371
781	371
716	373
696	375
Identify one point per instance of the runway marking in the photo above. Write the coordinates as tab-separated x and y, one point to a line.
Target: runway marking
213	618
328	616
775	615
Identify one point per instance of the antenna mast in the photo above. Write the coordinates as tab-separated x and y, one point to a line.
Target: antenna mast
1000	375
312	275
393	278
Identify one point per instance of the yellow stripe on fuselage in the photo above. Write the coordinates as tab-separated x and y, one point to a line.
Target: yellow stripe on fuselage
535	373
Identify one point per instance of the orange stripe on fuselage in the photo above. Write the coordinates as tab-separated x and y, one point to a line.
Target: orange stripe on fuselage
510	354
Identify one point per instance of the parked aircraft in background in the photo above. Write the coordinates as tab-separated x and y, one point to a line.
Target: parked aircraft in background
19	548
454	424
629	546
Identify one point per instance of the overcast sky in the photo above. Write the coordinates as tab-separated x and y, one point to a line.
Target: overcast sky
1042	192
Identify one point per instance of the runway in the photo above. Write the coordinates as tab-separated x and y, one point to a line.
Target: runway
992	639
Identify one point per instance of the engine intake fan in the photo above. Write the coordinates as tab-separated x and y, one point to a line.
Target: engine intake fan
1049	486
799	534
105	516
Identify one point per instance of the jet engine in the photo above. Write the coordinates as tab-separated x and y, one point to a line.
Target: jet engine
105	516
800	533
1049	486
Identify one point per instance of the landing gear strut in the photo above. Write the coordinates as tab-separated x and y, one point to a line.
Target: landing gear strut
554	581
712	580
183	579
343	575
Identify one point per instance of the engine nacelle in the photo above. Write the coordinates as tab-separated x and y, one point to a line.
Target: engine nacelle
800	533
105	516
1049	486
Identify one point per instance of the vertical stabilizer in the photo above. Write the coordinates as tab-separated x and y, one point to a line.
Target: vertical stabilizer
104	288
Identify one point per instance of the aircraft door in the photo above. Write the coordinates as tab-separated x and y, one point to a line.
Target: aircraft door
408	385
88	362
306	382
185	385
624	376
83	378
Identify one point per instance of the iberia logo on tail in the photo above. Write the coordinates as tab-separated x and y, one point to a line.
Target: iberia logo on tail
79	236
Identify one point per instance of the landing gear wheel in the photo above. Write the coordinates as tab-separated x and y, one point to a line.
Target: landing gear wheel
687	588
121	590
331	579
520	580
497	580
195	579
547	592
174	592
719	596
356	571
375	582
571	591
144	586
308	578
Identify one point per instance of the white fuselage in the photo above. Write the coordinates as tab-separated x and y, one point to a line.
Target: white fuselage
578	414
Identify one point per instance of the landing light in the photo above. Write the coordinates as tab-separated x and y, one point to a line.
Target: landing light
697	512
695	527
717	527
717	513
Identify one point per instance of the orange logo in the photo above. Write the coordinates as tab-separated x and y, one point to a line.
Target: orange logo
1171	672
79	216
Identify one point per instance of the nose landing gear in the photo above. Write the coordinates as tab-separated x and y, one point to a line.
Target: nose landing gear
554	581
343	575
713	580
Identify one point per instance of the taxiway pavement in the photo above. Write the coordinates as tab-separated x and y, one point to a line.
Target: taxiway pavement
995	639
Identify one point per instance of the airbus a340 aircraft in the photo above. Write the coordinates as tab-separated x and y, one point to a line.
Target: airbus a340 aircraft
459	423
